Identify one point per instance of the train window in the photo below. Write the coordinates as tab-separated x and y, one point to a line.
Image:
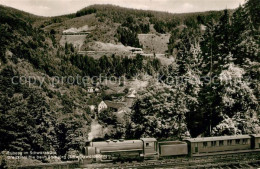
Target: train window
238	141
205	144
148	144
221	143
196	149
213	143
244	141
229	142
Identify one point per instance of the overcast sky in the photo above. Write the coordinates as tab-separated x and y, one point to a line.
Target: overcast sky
59	7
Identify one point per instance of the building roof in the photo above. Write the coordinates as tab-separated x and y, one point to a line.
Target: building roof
115	105
92	107
131	96
255	135
102	102
89	85
148	139
204	139
110	91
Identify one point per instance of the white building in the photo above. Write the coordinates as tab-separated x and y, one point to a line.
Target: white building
97	90
132	93
90	90
102	106
92	108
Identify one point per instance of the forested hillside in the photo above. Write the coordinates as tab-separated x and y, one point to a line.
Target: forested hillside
215	89
212	87
115	24
36	114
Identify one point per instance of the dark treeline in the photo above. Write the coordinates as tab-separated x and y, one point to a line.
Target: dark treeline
115	65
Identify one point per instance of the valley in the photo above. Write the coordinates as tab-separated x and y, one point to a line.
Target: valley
142	74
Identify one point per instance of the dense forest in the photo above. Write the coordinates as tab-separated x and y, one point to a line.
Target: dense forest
221	94
212	88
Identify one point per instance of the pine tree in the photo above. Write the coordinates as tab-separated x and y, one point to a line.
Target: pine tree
189	59
245	33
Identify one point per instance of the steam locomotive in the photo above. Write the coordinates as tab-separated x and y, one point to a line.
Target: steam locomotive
150	148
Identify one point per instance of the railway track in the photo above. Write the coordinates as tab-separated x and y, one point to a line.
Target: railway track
244	160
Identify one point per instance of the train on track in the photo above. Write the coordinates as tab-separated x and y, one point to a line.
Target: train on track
149	148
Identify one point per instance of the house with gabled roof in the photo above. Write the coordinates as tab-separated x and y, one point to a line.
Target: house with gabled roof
132	93
102	106
116	106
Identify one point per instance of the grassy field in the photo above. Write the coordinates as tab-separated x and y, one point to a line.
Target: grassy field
154	43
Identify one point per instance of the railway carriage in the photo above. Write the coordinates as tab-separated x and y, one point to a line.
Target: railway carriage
149	148
218	144
172	148
255	141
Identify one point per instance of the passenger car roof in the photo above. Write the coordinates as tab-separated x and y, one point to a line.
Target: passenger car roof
148	139
204	139
255	135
